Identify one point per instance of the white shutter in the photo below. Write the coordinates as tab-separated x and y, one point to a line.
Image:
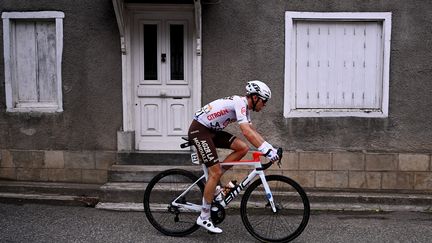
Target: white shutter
35	60
338	65
46	59
33	52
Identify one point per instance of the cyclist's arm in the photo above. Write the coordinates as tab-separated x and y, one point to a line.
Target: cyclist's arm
251	134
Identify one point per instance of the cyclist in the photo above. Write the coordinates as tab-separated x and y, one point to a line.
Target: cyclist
206	134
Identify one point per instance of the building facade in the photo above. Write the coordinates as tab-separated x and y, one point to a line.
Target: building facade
350	84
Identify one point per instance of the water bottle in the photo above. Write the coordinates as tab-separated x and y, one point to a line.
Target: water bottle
230	186
218	194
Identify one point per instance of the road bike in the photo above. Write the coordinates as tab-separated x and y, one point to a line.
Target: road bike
273	208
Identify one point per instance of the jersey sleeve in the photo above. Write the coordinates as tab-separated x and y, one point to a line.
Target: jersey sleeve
241	110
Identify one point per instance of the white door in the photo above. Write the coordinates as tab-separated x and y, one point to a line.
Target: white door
162	72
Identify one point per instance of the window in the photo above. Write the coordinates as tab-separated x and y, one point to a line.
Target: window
33	43
337	64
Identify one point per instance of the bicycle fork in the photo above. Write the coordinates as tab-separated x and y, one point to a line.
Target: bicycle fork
269	194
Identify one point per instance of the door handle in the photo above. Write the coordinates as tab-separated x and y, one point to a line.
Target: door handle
163	57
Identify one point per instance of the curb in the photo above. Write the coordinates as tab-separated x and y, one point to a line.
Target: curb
51	199
138	207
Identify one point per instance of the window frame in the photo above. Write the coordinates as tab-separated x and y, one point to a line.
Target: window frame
8	18
290	110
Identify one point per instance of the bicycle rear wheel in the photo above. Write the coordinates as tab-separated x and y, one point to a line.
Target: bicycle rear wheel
162	190
292	214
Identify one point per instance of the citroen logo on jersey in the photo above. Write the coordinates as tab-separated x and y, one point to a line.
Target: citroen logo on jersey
217	114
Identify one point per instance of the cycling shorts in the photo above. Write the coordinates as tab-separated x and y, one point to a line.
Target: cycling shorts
206	141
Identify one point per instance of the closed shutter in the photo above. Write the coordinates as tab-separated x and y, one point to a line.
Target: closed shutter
34	47
338	65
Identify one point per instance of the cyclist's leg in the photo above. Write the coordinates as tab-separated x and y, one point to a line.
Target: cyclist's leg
240	150
224	139
215	173
202	138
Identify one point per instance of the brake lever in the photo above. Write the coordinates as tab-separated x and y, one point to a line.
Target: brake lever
279	153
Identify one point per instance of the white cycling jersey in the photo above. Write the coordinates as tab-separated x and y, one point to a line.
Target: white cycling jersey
220	113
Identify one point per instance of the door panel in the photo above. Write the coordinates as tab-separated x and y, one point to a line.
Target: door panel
151	117
163	51
178	119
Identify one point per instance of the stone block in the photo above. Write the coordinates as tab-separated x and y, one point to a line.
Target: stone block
357	179
290	161
54	160
423	181
125	140
413	162
64	175
314	161
32	174
398	180
6	159
104	160
293	174
8	173
373	180
79	160
306	178
94	176
28	159
348	161
332	179
274	170
381	162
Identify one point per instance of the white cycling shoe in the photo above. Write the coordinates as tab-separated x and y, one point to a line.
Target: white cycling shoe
208	225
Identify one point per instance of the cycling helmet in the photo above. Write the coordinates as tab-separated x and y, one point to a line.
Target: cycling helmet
259	88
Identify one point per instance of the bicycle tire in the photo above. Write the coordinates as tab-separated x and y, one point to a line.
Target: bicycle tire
157	201
293	210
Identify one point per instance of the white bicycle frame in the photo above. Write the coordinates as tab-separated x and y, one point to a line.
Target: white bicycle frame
258	171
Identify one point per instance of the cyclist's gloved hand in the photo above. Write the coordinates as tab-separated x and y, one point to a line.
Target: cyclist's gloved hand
273	156
271	153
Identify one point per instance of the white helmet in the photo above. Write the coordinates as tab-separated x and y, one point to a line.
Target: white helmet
259	88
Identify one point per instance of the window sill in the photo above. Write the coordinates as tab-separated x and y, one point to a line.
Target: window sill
335	113
35	109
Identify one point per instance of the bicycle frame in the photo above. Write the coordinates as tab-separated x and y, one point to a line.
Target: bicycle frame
258	171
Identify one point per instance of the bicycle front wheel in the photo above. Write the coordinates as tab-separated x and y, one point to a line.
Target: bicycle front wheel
292	210
162	190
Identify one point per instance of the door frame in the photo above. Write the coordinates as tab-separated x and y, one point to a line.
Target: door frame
125	14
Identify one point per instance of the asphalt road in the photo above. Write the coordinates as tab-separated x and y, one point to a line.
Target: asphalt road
45	223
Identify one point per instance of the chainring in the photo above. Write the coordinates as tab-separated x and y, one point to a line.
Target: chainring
217	213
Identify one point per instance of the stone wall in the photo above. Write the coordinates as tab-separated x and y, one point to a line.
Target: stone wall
316	170
56	166
352	170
